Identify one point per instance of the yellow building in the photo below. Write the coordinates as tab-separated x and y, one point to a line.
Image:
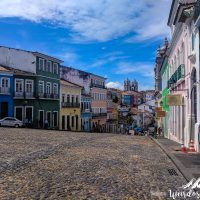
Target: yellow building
70	111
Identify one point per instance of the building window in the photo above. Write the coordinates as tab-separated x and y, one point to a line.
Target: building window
77	99
55	68
29	86
41	87
63	98
41	64
5	86
55	88
72	99
48	88
49	66
5	82
193	41
19	83
68	98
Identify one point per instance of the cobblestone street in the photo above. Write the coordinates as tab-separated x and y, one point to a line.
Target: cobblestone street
39	164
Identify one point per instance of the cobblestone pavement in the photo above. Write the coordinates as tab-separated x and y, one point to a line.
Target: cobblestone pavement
39	164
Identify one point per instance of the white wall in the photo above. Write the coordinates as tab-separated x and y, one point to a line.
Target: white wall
18	59
77	77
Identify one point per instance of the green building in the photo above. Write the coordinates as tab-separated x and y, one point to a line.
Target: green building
36	86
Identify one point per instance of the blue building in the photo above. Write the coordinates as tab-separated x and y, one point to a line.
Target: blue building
127	100
86	113
6	93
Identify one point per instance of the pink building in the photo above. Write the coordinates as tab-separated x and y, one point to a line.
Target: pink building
182	62
99	100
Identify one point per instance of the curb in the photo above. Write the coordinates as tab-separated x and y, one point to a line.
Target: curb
171	157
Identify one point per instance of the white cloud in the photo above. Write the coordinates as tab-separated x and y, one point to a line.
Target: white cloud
101	20
143	69
116	85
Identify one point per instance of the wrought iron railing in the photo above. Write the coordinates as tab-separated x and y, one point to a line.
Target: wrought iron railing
4	90
70	105
178	74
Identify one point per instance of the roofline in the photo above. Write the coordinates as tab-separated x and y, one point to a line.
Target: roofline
42	54
18	71
71	83
171	9
89	73
34	52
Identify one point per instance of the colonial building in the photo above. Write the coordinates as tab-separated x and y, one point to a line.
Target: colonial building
179	74
40	84
86	112
70	113
160	56
94	86
6	93
130	85
131	98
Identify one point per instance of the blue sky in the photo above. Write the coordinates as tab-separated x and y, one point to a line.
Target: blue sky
116	39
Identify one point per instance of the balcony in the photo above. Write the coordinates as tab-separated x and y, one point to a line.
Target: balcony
97	86
24	95
178	74
5	90
70	105
86	110
48	96
29	95
19	95
99	114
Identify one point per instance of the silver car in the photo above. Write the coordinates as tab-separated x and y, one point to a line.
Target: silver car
11	121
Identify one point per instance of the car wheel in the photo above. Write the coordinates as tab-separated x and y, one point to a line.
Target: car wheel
16	125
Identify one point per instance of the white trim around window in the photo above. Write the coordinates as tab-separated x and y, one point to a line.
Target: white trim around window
5	79
31	82
49	66
55	84
55	68
41	64
22	83
48	84
42	87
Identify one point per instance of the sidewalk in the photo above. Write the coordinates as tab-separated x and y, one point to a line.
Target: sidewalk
187	163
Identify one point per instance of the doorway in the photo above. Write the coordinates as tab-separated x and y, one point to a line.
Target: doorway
68	123
4	110
19	113
29	113
41	118
63	122
49	118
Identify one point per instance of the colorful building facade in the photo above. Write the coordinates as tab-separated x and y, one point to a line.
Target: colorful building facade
37	82
94	86
70	110
179	74
6	93
86	113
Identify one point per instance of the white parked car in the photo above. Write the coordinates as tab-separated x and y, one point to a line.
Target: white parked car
11	121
